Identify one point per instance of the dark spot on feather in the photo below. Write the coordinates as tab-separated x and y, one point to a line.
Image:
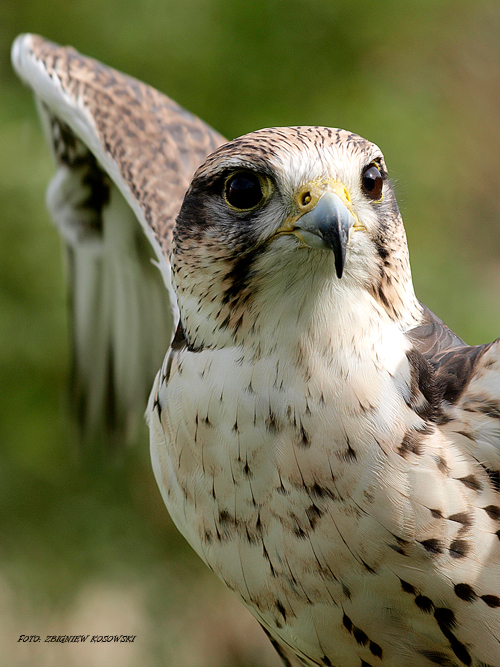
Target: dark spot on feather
325	660
424	603
436	514
463	518
299	532
445	617
382	296
380	248
411	443
459	548
494	476
321	491
156	405
313	514
376	650
304	438
368	568
281	609
398	549
347	622
441	464
408	588
349	454
492	601
465	592
271	422
360	636
493	512
265	553
433	546
224	325
471	482
238	324
225	517
281	489
370	498
252	538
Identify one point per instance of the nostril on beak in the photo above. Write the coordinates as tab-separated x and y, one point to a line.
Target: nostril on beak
306	199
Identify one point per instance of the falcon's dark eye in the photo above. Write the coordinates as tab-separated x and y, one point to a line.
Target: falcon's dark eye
372	182
243	190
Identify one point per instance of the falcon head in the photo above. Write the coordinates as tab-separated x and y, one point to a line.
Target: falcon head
295	216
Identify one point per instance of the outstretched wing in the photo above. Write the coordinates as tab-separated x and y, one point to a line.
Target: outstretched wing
466	387
125	155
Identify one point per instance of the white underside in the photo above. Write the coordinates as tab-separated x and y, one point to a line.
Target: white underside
262	481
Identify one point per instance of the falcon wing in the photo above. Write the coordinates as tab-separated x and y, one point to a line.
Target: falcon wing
433	337
467	389
125	155
476	414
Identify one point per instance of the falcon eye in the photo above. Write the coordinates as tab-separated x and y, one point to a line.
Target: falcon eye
243	190
372	182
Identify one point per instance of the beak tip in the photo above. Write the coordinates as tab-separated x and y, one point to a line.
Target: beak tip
339	265
330	221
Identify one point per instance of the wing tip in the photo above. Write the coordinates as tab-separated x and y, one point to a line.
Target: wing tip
20	47
25	51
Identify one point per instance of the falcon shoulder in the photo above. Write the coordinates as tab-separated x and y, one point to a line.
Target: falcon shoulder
124	155
465	383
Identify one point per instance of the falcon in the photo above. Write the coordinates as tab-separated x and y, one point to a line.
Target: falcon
323	441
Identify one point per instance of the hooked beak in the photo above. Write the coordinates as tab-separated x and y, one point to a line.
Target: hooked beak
327	226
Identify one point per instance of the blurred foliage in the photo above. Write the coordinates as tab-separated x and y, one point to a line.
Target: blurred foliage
85	545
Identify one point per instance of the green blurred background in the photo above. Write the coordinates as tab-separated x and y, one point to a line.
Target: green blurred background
86	547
